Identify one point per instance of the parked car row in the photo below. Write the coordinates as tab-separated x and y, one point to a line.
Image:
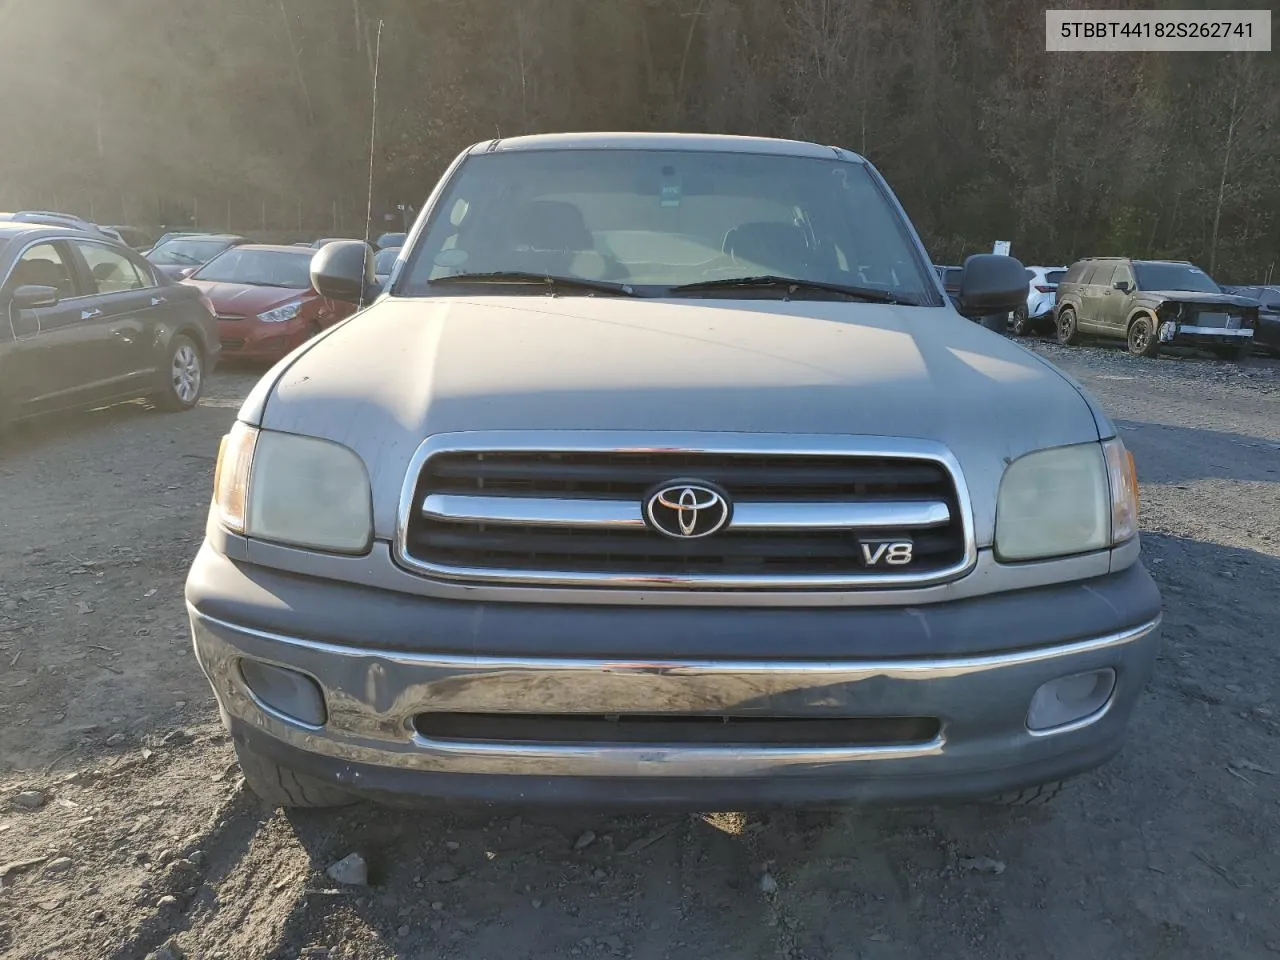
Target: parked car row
86	319
1146	303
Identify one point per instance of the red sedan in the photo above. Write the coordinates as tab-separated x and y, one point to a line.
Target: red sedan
264	300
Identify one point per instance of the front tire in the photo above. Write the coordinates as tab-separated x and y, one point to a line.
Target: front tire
1068	328
283	787
1142	338
1020	324
184	376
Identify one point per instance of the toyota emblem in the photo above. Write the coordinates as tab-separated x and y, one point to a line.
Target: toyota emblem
687	510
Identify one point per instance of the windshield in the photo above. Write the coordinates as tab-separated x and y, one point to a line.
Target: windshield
385	260
259	268
1173	276
186	253
655	220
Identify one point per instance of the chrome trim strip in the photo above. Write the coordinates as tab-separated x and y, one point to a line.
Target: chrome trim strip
1216	331
828	671
747	515
596	441
533	511
708	761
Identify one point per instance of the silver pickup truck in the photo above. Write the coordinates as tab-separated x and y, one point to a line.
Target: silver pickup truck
661	471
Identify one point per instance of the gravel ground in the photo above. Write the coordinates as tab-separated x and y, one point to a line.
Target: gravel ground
125	830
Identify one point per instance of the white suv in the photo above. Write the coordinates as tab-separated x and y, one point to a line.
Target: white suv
1037	312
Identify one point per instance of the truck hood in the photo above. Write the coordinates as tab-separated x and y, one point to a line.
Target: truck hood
406	369
1195	296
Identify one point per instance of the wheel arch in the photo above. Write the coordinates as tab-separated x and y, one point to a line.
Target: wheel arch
194	333
1143	311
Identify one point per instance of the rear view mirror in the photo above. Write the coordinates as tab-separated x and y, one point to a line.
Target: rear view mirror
343	270
33	295
991	284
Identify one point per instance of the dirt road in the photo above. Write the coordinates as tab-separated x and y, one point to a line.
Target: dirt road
125	830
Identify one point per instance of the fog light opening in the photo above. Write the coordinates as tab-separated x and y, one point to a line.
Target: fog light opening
1070	700
292	695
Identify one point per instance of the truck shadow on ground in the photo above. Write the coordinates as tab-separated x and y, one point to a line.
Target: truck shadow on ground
1172	455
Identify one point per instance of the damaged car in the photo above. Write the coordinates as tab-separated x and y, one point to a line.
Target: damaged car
662	472
1153	303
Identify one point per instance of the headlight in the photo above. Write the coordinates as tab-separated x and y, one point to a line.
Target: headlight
298	491
1054	503
281	314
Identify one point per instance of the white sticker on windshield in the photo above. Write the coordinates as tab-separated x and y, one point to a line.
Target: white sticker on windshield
672	188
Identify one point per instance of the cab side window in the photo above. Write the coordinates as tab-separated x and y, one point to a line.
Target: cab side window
111	270
1123	273
44	266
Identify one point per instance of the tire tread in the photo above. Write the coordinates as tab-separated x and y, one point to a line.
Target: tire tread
281	786
1074	337
1036	796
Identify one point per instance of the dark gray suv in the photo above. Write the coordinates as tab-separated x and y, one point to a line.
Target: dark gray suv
1148	303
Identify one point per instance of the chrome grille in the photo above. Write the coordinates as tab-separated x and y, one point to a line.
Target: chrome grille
570	510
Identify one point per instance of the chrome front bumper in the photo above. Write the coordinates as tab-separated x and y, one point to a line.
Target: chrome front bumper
373	695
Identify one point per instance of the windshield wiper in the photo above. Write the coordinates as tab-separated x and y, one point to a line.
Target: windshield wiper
553	283
794	285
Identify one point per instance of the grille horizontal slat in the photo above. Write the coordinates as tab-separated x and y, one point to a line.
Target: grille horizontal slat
635	472
518	542
561	515
627	513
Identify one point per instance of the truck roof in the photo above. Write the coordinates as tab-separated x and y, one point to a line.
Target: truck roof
700	142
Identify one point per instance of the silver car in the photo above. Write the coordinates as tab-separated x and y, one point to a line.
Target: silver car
663	472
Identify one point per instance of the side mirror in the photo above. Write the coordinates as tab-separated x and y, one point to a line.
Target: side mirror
1124	286
33	295
343	270
991	284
